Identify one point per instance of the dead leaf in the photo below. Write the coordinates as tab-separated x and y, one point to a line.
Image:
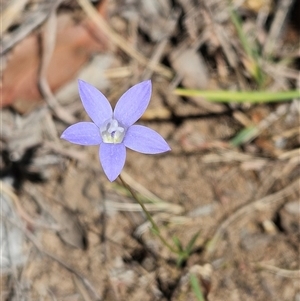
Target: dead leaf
75	44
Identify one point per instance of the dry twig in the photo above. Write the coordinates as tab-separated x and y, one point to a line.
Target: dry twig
36	243
278	271
5	189
8	16
247	209
47	51
277	26
34	20
120	41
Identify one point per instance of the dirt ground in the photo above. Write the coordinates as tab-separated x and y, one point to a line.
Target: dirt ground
69	234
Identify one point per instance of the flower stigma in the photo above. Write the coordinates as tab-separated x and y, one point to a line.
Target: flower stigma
112	132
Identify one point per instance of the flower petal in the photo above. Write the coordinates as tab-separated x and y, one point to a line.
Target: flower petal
133	103
112	158
144	140
83	133
95	103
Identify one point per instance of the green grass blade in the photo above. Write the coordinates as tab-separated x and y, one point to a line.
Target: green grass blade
196	287
177	243
237	22
192	243
240	96
244	135
250	50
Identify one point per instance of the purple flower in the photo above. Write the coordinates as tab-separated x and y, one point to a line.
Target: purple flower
114	130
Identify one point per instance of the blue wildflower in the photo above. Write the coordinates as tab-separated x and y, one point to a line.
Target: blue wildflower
115	130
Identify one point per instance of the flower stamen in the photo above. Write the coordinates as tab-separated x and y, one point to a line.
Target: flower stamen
112	132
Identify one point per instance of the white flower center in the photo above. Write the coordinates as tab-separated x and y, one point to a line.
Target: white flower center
112	132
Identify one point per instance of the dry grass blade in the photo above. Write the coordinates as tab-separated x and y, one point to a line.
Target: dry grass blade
40	248
156	57
120	41
8	16
287	134
82	289
278	271
244	211
140	188
290	154
230	156
118	72
277	26
267	122
5	189
34	20
66	152
48	48
176	209
221	35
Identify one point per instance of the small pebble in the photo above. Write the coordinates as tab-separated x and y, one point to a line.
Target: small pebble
293	207
202	210
269	227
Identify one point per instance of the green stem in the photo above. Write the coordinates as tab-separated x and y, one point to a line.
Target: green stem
149	217
243	96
